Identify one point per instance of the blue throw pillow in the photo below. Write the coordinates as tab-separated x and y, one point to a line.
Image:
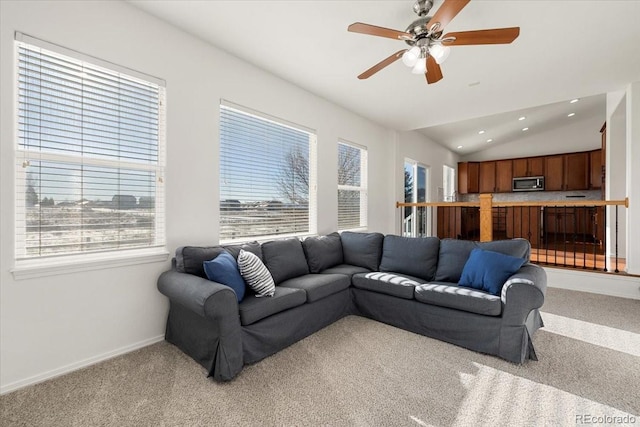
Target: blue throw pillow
224	269
488	270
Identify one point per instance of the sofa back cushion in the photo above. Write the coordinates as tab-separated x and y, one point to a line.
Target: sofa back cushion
189	259
323	252
455	253
253	247
519	248
362	249
415	256
285	259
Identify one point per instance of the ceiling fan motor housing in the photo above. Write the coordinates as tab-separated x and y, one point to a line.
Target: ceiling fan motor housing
419	29
422	7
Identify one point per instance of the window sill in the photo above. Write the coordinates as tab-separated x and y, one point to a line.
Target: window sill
31	269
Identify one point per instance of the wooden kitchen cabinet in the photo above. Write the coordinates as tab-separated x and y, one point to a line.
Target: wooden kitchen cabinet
576	171
496	176
595	168
458	222
487	177
554	173
449	222
529	166
524	222
536	166
560	220
504	176
566	172
580	224
468	177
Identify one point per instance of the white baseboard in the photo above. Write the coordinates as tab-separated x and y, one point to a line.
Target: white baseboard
616	285
77	365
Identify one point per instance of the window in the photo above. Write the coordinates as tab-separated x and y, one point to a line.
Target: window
89	156
267	176
448	183
415	221
352	186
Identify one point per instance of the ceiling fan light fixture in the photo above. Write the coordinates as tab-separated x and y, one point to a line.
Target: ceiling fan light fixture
420	67
411	56
440	53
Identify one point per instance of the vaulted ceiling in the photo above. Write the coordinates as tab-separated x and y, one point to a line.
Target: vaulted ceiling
566	49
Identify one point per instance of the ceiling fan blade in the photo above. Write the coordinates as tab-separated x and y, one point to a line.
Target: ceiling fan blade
448	11
434	73
359	27
494	36
380	65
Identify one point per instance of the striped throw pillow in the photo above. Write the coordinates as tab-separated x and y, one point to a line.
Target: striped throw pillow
256	275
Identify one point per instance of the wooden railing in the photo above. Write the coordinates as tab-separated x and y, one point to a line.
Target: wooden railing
562	233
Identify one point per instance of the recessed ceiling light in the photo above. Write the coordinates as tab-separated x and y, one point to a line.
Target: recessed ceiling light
489	140
525	129
481	132
571	114
459	147
521	118
573	101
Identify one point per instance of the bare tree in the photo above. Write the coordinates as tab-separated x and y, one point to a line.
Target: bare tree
293	179
348	167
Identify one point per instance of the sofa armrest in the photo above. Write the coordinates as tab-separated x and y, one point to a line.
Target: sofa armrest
523	292
204	297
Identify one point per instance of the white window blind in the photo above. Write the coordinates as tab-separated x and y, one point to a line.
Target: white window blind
89	158
352	186
267	176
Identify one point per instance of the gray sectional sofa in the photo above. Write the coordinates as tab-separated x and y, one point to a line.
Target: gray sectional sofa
410	283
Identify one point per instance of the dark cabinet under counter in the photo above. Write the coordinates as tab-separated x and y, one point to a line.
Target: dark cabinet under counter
580	224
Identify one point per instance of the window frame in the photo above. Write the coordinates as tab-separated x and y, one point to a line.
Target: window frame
313	174
410	226
363	188
26	266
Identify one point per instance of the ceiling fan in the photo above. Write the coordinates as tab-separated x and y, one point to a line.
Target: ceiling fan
429	48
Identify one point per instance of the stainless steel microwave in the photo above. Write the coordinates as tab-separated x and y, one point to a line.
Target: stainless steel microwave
528	183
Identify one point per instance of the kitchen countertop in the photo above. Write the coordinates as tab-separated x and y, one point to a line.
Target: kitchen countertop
527	196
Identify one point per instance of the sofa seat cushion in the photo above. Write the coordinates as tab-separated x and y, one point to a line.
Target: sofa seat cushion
318	286
254	308
347	269
397	285
450	295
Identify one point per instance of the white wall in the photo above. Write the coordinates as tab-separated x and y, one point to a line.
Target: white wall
578	135
51	324
416	146
616	177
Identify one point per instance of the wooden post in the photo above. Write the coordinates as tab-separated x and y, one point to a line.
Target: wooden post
486	218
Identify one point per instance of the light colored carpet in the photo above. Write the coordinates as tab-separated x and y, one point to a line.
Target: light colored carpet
361	372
